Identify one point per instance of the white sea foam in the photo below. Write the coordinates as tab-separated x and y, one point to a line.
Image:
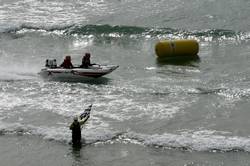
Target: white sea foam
194	141
61	134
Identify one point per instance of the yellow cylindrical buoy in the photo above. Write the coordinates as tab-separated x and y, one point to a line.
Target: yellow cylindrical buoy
177	48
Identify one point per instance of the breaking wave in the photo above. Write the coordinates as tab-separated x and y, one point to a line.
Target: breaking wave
209	141
198	141
60	134
118	31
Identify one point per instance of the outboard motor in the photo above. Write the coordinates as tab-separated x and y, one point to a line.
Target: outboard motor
54	64
51	63
47	63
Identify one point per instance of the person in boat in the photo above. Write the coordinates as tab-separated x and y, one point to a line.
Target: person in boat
86	61
67	63
75	127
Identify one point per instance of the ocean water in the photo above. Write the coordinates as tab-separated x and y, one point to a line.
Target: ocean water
147	112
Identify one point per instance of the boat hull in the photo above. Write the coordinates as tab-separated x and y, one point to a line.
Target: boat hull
95	71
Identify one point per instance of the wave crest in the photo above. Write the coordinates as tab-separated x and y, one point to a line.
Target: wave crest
194	142
117	31
198	141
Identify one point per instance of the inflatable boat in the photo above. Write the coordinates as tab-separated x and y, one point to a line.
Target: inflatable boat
93	71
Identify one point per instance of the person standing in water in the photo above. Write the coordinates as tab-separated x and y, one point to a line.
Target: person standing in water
76	130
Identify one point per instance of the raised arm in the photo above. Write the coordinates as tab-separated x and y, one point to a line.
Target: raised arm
83	120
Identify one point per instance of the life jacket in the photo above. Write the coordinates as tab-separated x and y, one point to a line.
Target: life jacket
86	61
67	64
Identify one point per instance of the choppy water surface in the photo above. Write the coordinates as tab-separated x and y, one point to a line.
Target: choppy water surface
147	112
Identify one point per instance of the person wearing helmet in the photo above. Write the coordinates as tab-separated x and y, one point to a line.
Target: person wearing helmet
76	130
67	63
86	61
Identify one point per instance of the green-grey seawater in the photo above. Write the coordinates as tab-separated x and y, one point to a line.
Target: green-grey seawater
147	112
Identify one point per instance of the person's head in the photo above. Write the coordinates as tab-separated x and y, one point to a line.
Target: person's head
75	119
68	58
87	55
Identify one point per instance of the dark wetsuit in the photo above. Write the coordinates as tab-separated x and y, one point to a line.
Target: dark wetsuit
76	132
67	64
85	62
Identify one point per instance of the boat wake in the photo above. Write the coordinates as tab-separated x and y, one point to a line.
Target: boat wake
10	75
15	71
